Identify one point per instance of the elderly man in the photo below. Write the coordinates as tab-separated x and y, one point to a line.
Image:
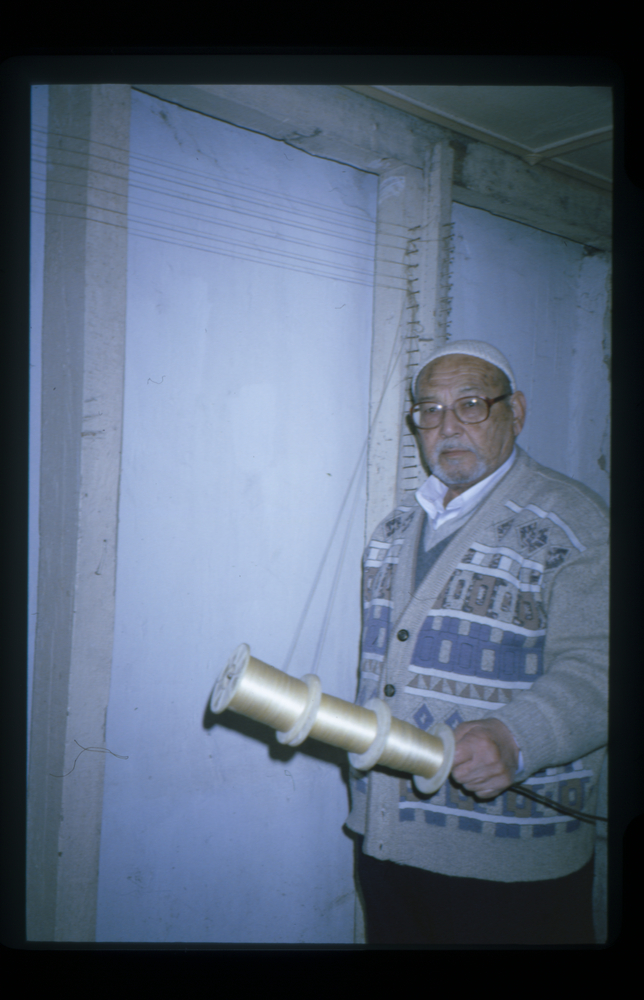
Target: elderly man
485	608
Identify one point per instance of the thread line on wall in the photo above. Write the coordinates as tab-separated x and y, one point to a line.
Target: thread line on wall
396	352
410	483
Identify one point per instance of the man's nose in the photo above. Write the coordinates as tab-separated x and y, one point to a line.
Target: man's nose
450	424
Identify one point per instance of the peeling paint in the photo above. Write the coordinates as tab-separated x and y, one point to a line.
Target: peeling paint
460	151
607	339
390	187
294	137
604	454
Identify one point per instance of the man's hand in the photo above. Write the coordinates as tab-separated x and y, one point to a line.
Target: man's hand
486	757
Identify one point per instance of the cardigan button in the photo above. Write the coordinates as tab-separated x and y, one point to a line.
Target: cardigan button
390	690
403	635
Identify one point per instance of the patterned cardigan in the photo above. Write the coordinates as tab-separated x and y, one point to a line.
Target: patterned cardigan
511	621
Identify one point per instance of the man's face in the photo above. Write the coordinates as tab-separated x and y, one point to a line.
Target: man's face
458	454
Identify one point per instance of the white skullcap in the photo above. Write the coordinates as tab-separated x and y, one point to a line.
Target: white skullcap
476	349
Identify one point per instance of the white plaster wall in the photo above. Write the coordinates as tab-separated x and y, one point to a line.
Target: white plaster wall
543	301
39	113
246	400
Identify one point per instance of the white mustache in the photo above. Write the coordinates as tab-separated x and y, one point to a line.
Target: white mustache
447	446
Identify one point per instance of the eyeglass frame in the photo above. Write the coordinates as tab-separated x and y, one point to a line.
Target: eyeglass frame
444	409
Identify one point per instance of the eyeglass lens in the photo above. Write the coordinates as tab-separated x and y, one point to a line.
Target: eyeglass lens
470	410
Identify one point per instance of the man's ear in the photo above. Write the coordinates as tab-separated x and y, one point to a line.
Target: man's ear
518	406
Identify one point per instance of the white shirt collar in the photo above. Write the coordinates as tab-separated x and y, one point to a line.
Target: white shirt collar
431	494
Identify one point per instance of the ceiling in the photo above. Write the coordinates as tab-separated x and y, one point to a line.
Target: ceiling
568	128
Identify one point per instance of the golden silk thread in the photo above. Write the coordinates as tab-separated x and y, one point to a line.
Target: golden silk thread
298	709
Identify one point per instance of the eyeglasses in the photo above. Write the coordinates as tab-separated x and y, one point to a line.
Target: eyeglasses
469	410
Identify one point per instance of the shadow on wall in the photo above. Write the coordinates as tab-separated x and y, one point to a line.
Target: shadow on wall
277	751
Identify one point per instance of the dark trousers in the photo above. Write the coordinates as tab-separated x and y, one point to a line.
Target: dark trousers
405	905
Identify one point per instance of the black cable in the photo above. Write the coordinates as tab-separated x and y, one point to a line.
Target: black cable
584	817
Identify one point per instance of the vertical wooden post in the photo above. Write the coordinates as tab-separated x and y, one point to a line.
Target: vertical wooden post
84	300
411	310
